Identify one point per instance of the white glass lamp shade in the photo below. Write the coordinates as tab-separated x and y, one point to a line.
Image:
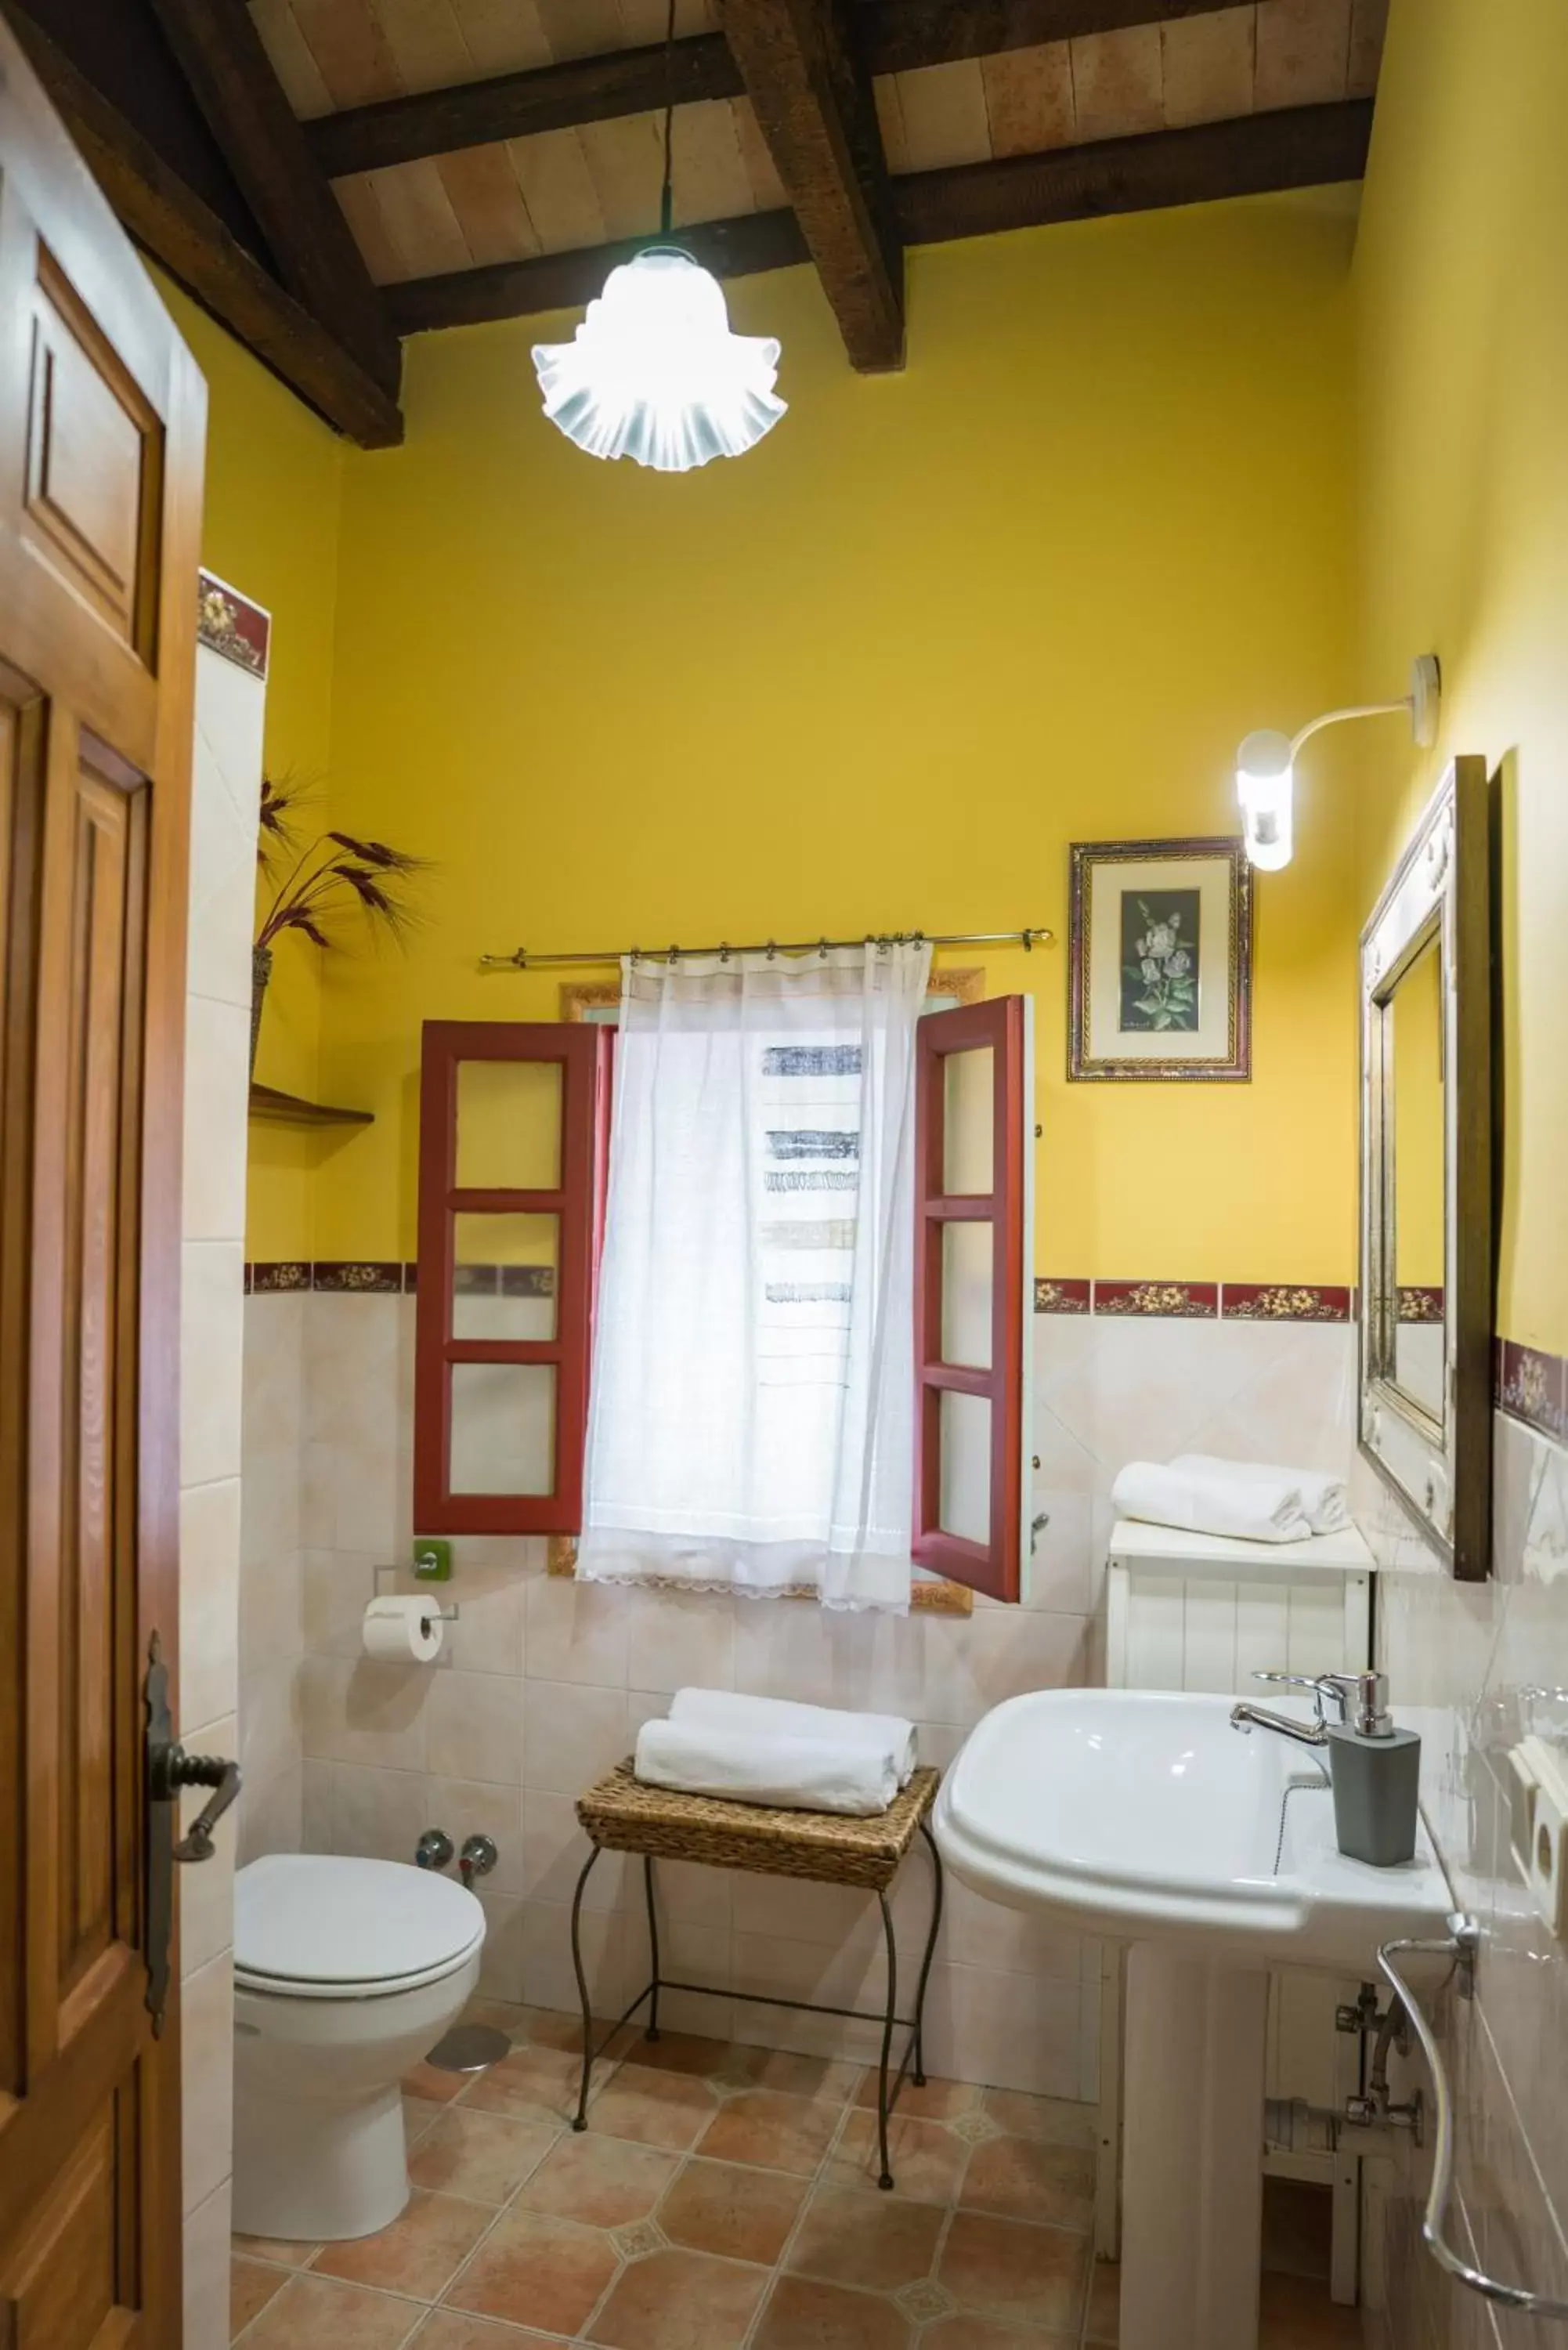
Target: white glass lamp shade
1265	786
654	373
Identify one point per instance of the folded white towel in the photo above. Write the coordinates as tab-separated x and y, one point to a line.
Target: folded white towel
776	1717
1323	1502
797	1774
1209	1504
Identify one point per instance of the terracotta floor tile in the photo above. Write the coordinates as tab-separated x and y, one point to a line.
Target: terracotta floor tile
453	2329
536	2271
604	2182
682	2052
1296	2313
722	2207
1103	2321
1060	2121
532	2085
251	2285
279	2252
655	2108
1023	2179
769	2127
430	2081
549	2027
964	2333
927	2161
799	2076
1002	2268
680	2301
877	2242
418	2254
314	2314
938	2101
802	2314
418	2113
482	2155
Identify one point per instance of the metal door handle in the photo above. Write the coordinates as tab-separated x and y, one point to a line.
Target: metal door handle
168	1768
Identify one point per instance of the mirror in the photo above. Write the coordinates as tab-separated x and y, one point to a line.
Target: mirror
1415	1136
1427	1258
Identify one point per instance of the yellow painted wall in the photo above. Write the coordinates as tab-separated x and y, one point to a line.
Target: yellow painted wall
271	529
1461	283
880	673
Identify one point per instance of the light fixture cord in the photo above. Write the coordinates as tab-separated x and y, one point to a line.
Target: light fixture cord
666	194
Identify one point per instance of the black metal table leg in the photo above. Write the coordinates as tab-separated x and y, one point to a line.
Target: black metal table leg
919	2074
581	2122
885	2180
652	2031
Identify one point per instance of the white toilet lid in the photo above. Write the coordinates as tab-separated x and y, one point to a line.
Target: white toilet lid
321	1925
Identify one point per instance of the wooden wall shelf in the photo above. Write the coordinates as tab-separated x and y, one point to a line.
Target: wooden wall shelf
289	1109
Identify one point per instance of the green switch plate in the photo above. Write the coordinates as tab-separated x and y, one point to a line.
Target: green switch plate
433	1559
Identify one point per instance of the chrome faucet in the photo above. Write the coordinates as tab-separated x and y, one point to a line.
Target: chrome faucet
1313	1733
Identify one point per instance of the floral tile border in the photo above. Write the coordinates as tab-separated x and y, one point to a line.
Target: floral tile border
230	624
1532	1386
1062	1296
1420	1303
1184	1300
1283	1301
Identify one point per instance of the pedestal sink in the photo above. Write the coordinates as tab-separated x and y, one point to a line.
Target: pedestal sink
1144	1815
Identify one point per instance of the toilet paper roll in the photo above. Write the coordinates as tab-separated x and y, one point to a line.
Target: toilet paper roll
408	1630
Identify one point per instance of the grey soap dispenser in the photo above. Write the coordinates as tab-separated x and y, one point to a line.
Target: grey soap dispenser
1375	1771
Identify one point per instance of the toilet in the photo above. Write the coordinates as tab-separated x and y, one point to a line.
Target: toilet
346	1974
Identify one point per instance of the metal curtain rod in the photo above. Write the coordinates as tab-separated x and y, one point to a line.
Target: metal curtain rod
520	960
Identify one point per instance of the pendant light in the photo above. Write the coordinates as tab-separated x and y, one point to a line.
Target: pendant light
653	372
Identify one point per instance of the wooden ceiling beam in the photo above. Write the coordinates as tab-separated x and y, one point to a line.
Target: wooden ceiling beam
897	36
811	92
183	233
1309	145
220	52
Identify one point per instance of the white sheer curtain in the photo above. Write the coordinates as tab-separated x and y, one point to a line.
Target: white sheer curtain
751	1422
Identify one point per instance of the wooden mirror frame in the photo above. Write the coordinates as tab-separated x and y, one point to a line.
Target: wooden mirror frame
1440	890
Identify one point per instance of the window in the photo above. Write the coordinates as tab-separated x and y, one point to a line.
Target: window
512	1155
512	1123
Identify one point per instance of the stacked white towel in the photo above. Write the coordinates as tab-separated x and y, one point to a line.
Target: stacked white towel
1207	1503
805	1758
1324	1502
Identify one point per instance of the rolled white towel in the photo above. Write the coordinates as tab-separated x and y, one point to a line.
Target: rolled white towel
796	1774
1209	1504
1323	1502
777	1717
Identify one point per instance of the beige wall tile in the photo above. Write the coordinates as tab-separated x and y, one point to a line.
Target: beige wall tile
217	1077
225	795
207	2255
209	1600
206	1888
207	2077
211	1318
474	1725
554	1849
365	1712
466	1807
571	1735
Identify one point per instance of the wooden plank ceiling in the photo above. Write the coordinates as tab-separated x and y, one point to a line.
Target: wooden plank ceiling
489	156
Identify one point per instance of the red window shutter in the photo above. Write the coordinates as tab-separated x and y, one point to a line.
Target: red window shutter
574	1205
987	1556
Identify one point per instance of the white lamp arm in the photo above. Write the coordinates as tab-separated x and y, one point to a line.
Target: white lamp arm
1356	710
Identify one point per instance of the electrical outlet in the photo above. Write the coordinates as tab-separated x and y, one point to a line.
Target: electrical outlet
1537	1800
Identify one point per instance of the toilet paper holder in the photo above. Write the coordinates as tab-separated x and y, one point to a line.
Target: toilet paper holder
443	1615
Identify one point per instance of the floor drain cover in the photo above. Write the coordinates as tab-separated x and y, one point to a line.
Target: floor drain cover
469	2048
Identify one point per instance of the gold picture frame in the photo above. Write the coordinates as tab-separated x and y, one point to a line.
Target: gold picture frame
1161	961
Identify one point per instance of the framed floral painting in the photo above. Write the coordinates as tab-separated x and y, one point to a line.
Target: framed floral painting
1160	959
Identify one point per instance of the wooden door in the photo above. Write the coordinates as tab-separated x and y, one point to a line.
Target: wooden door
101	429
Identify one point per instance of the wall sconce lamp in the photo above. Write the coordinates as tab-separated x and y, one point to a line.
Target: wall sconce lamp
1265	763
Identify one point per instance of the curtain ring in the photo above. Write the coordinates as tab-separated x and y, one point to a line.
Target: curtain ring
723	951
822	948
674	957
773	951
635	956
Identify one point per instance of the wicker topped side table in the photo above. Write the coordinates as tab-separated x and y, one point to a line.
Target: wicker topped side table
621	1815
